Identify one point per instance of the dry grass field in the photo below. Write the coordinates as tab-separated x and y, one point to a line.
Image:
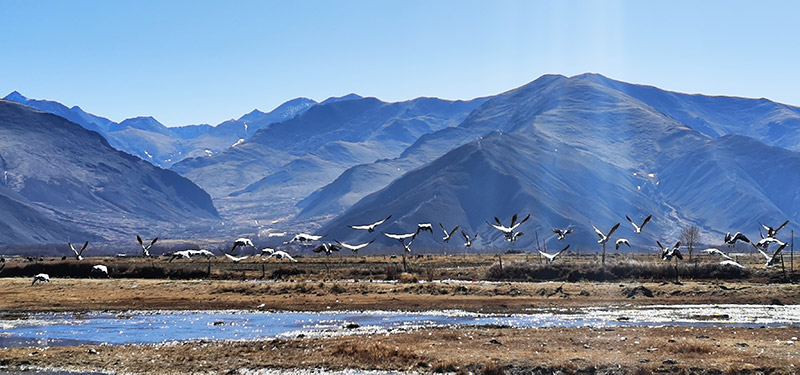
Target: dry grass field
469	282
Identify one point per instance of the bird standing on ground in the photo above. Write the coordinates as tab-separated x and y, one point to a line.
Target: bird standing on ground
638	228
369	227
552	257
99	271
146	249
42	278
79	254
448	235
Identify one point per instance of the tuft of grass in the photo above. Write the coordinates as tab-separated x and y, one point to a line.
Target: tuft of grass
408	278
374	354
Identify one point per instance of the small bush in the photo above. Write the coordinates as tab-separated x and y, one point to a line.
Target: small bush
408	278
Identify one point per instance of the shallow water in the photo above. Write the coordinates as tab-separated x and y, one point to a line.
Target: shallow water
139	327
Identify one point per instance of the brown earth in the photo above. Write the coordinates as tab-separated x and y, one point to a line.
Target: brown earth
673	350
139	294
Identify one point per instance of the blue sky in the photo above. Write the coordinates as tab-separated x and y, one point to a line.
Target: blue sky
207	61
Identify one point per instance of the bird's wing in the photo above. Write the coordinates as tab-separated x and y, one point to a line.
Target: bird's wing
779	250
231	257
139	239
497	221
677	246
741	237
399	236
636	227
764	254
646	220
660	245
613	229
465	235
500	227
319	249
766	228
561	251
443	230
556	231
73	249
359	227
525	219
375	224
731	263
452	231
290	257
513	220
782	225
599	233
546	255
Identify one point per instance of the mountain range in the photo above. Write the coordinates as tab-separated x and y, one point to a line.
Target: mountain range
571	151
61	182
163	146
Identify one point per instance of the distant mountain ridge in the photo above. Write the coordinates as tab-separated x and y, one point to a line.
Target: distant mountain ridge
61	182
163	146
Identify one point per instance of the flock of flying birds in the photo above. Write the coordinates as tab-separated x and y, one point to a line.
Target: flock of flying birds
510	232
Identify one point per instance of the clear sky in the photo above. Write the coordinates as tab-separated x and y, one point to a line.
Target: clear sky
190	62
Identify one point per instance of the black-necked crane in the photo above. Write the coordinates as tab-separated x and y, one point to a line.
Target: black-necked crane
638	228
370	227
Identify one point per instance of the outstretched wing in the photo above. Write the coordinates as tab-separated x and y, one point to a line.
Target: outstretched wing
646	220
452	231
399	236
599	233
139	239
613	229
153	242
359	227
73	249
381	221
782	225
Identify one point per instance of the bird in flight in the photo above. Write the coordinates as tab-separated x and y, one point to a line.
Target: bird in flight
551	257
146	249
620	242
448	235
638	228
354	248
772	232
562	233
731	239
242	242
467	239
78	254
604	237
370	227
715	251
327	247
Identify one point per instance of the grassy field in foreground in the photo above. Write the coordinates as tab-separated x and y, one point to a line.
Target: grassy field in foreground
507	267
